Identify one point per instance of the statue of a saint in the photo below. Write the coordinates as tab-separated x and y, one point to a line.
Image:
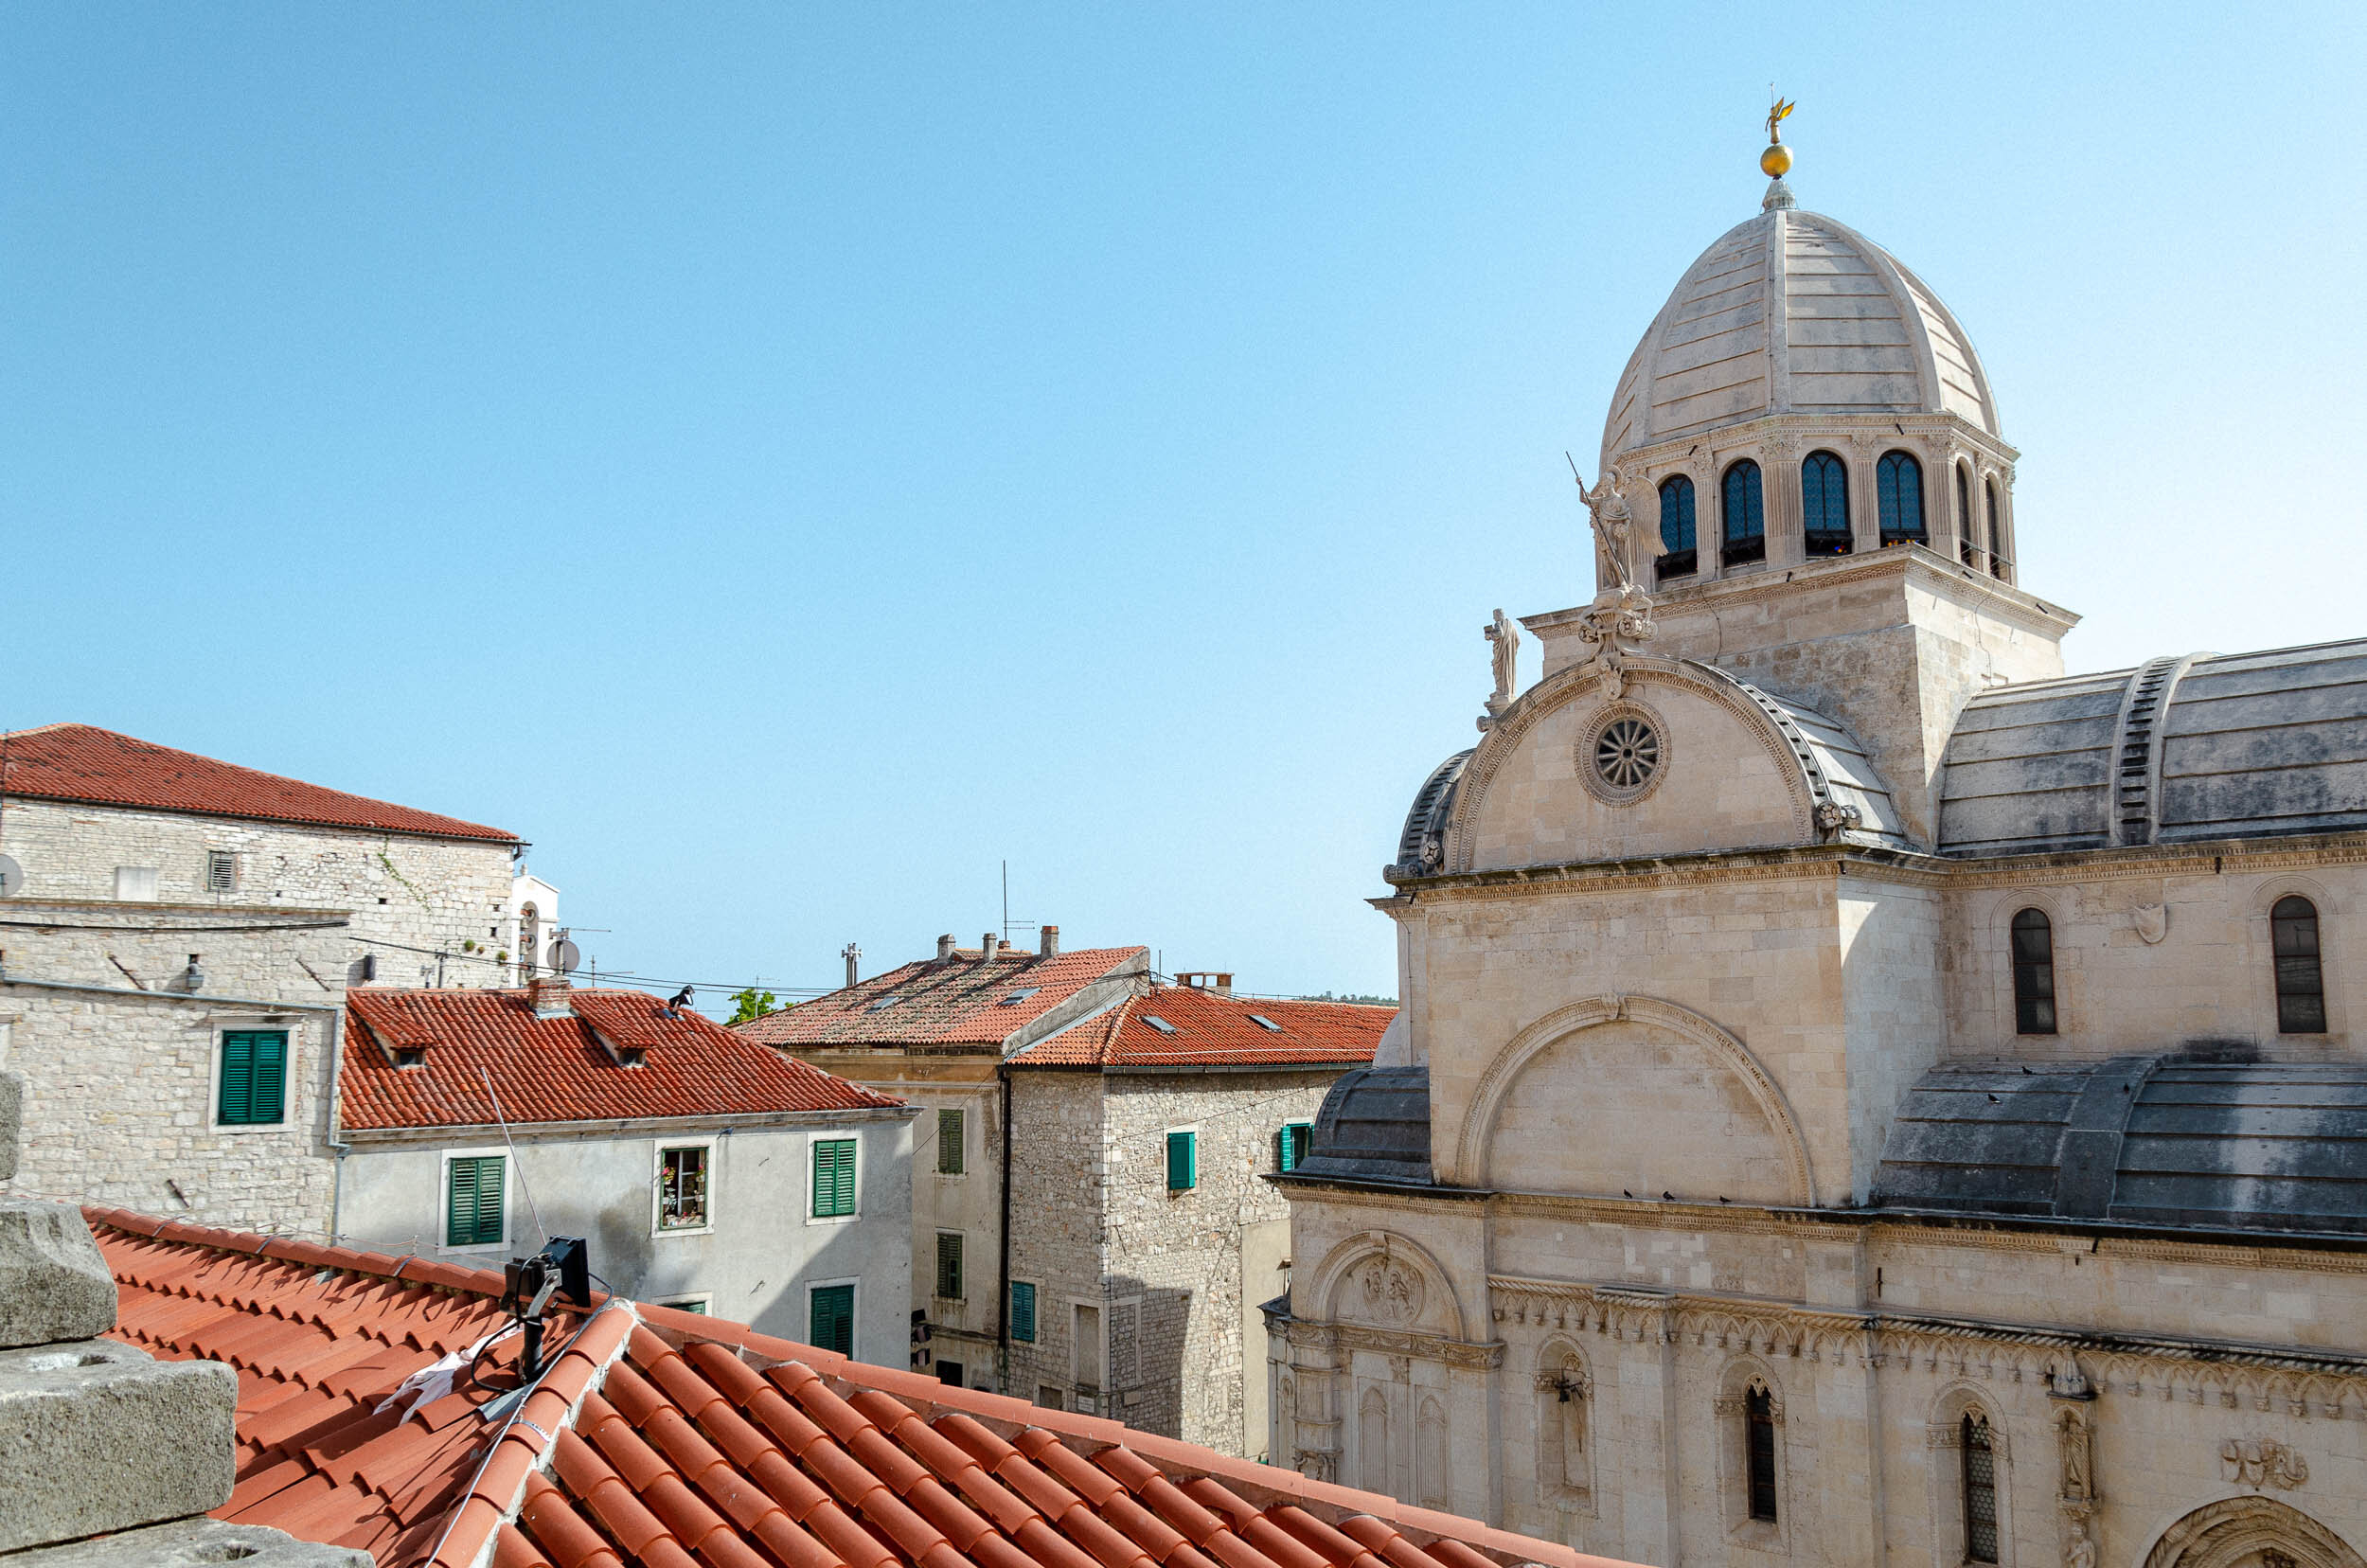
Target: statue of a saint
1615	535
1503	640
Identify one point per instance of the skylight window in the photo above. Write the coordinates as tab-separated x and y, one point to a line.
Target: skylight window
1266	1023
1159	1023
1018	996
884	1003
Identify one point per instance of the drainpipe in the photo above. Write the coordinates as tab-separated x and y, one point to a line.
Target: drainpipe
1003	1297
338	1147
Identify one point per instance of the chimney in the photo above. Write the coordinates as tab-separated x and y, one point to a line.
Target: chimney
853	955
549	995
1048	941
945	948
988	946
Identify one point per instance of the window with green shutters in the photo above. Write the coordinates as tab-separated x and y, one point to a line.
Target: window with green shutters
1183	1161
831	1318
949	1265
254	1077
1291	1146
949	1143
1023	1311
472	1200
833	1178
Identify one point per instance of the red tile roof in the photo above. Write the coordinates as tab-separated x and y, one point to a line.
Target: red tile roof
964	1001
558	1069
706	1443
1210	1029
82	762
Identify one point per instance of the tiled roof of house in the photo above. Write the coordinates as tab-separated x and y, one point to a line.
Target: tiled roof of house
82	762
1206	1028
706	1443
966	1000
559	1069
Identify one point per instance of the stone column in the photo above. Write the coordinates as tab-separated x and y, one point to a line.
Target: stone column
1645	1454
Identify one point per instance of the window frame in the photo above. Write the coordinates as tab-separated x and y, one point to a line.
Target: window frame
1973	1421
443	1197
1759	1457
1889	497
224	1027
224	861
2027	1001
1286	1159
1679	561
702	1302
1735	550
959	1146
852	1285
657	1186
2281	964
961	1266
1191	1147
1816	543
1967	524
812	1192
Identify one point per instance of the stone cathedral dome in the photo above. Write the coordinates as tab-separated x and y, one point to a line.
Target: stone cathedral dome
1793	312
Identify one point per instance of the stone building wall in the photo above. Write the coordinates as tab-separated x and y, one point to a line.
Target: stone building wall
405	892
1059	1233
120	1088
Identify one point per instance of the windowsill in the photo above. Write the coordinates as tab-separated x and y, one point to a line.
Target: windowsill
832	1218
475	1249
663	1231
1758	1535
240	1129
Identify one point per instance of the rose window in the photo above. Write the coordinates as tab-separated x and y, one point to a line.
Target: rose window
1626	755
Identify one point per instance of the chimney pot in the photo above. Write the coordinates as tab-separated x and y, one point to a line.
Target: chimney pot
853	955
990	946
945	948
1048	941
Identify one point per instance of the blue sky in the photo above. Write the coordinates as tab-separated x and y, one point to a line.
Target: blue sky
787	460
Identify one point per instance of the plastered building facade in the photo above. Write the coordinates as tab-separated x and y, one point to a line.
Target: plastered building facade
1863	1095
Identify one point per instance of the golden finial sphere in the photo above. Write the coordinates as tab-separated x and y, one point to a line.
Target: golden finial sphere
1776	162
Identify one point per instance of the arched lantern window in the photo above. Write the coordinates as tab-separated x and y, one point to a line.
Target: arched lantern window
1899	488
1997	540
1742	515
1759	1452
2300	982
1968	541
1676	527
2034	974
1825	503
1980	1455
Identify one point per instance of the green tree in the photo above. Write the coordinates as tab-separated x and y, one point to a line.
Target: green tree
752	1004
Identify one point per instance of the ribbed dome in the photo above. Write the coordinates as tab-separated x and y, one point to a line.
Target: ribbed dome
1794	314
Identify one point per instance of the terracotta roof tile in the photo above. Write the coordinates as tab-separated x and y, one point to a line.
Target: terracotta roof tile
1204	1029
709	1445
964	1001
84	763
556	1069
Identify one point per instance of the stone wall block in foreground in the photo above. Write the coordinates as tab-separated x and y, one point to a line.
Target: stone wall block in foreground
54	1283
97	1435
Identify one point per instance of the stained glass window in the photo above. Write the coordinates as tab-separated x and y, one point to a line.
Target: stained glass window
1898	489
1825	503
1742	514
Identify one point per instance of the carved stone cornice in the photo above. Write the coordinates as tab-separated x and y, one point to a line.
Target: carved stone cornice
1481	1355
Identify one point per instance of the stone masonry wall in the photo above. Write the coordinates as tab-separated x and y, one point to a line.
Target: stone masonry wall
120	1103
405	892
1060	1240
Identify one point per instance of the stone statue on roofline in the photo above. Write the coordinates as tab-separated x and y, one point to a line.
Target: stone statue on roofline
1503	652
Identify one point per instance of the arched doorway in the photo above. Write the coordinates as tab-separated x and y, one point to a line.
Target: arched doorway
2250	1532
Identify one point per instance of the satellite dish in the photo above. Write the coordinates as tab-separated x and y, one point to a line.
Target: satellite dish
11	877
565	957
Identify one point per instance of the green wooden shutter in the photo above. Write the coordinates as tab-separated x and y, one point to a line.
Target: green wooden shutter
473	1204
1183	1162
949	1143
1023	1311
833	1314
254	1077
950	1266
237	1077
833	1178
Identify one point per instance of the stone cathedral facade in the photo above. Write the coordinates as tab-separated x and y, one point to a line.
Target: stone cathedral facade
1861	1096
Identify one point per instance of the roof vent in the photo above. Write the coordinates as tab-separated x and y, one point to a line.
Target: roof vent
1159	1023
884	1004
1018	996
1266	1023
410	1056
1207	980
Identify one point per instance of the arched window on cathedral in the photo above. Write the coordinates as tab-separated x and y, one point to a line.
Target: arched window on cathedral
1758	1448
1968	525
1997	540
1980	1456
1676	527
1742	515
1898	486
2034	974
1372	1442
1432	1485
1825	503
2300	983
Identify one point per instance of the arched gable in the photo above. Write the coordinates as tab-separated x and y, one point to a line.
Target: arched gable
1696	1110
1383	1280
